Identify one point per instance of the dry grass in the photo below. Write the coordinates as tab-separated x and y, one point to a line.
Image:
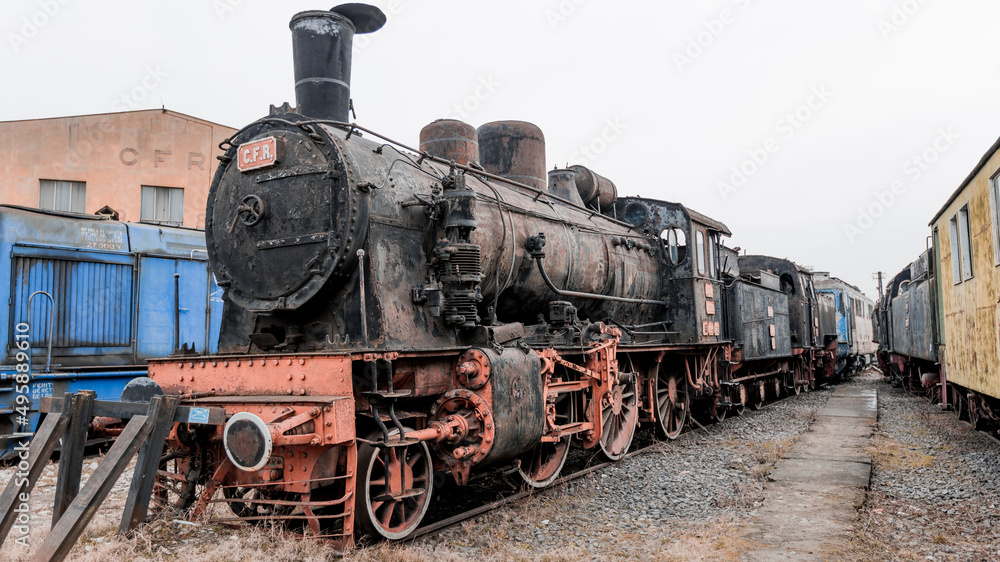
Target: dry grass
170	540
711	541
890	455
868	537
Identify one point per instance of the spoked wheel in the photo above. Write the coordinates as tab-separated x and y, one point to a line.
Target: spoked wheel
777	388
619	417
394	488
542	465
252	501
934	395
672	403
758	401
796	387
718	412
975	412
957	402
180	482
741	407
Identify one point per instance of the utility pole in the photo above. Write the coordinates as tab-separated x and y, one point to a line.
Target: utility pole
878	276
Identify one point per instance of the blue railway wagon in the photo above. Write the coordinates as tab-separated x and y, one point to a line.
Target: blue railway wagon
104	297
855	330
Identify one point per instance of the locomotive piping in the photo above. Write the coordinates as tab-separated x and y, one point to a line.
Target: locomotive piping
352	127
545	277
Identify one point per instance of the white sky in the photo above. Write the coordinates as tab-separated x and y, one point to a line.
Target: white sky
682	93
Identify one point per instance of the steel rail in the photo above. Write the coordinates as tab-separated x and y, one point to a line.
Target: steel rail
439	526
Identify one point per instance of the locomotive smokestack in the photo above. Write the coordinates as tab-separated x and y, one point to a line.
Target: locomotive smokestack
321	51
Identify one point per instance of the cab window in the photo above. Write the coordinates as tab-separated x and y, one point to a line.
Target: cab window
675	244
713	266
699	251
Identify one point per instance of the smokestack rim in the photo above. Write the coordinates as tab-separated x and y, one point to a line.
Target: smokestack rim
312	14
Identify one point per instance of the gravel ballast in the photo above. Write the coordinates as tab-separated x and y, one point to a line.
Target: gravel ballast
935	491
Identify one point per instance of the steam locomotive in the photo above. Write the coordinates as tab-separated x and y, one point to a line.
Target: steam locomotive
392	314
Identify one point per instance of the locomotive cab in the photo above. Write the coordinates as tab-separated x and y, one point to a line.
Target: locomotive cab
692	263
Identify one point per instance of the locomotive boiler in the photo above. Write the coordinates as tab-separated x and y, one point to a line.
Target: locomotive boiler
395	313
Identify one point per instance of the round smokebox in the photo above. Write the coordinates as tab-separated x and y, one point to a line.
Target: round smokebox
247	441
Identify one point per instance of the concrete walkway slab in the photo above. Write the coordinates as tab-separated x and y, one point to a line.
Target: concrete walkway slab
811	505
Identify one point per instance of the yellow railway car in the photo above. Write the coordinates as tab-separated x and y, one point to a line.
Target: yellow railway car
966	238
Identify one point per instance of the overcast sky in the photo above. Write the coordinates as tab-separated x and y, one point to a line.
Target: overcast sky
829	133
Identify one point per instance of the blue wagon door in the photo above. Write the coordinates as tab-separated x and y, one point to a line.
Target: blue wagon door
198	315
91	308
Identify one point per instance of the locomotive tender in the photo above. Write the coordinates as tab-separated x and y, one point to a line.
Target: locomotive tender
392	313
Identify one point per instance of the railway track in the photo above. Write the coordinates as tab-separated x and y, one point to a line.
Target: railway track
443	524
438	526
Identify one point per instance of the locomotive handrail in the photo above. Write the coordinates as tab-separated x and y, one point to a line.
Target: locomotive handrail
52	309
423	155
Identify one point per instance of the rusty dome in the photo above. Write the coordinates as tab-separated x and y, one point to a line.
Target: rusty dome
452	140
514	150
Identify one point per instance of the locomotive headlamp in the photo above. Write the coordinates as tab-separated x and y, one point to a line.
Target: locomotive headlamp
247	441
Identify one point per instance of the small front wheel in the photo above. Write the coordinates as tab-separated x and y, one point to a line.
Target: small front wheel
394	488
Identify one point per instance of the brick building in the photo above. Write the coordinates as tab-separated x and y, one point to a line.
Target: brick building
153	165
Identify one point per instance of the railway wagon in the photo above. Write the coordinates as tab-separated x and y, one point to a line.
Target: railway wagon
812	314
395	313
906	325
89	300
966	244
856	346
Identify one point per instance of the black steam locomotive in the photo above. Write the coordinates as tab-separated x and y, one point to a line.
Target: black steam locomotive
394	313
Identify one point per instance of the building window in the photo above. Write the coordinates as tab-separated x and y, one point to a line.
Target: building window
995	216
965	237
162	204
56	195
